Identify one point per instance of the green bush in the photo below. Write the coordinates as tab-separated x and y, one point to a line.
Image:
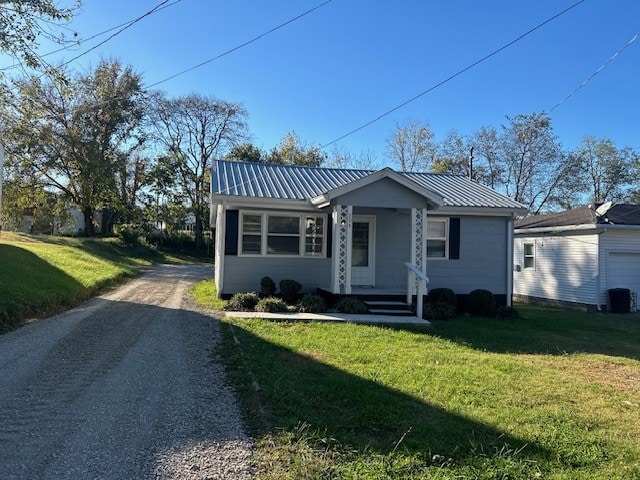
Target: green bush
128	233
289	290
443	295
267	287
271	305
243	302
351	305
312	304
482	303
438	311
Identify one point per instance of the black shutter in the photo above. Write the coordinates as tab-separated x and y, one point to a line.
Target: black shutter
329	236
231	233
454	238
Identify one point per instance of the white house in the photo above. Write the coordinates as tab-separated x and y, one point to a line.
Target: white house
573	258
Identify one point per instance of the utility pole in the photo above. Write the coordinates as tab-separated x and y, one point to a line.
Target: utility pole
471	163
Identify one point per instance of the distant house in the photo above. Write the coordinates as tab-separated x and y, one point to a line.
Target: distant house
573	258
353	231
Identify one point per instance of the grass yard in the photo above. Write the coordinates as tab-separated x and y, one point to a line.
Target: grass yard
41	274
551	395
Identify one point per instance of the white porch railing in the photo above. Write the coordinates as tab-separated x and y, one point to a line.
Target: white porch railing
413	274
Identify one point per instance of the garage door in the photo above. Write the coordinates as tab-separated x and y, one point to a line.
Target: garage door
623	271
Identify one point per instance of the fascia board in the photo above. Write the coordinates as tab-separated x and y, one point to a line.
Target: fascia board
264	203
483	211
560	229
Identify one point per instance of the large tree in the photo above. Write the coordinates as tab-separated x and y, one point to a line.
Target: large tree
607	171
533	161
452	154
76	137
293	151
23	24
411	146
487	166
193	130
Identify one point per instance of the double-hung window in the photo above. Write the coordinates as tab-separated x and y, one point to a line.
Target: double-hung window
437	238
282	234
529	255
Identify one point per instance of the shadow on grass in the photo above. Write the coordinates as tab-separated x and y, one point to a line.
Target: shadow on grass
358	415
546	331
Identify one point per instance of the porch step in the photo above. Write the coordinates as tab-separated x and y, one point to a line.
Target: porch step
393	312
388	307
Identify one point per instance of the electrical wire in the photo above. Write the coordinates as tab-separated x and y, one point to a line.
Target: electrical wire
451	77
96	35
238	47
602	67
128	25
249	42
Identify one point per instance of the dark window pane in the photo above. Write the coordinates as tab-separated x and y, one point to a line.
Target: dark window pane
436	248
252	244
314	226
281	245
360	245
284	225
251	223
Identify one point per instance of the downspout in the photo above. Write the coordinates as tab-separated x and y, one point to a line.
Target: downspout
510	260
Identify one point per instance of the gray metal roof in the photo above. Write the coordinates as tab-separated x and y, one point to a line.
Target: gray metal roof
262	180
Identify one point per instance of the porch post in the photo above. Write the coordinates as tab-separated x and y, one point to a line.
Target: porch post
342	218
418	245
220	247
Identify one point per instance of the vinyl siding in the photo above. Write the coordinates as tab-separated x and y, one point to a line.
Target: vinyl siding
243	274
565	268
482	262
385	193
483	258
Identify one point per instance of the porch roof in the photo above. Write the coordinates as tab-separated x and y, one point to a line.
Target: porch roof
284	182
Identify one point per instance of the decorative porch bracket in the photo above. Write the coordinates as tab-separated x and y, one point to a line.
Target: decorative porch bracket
342	243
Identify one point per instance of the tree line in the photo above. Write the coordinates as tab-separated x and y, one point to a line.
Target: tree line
100	141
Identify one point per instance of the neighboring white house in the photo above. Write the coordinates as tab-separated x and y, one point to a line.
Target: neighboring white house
344	231
573	258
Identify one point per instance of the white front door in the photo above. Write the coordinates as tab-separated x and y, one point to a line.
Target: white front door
363	251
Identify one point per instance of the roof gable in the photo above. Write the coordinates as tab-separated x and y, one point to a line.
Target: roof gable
325	199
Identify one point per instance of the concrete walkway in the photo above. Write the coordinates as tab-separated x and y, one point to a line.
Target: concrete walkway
333	317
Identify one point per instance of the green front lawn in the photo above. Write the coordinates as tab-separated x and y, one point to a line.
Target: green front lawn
552	395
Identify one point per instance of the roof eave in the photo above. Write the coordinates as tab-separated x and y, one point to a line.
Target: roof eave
486	210
558	229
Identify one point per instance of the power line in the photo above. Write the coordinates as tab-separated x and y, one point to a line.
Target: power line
451	77
602	67
80	42
128	25
238	47
249	42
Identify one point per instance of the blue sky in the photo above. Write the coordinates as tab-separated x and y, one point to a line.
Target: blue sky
351	60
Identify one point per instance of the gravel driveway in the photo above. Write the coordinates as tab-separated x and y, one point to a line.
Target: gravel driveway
126	386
